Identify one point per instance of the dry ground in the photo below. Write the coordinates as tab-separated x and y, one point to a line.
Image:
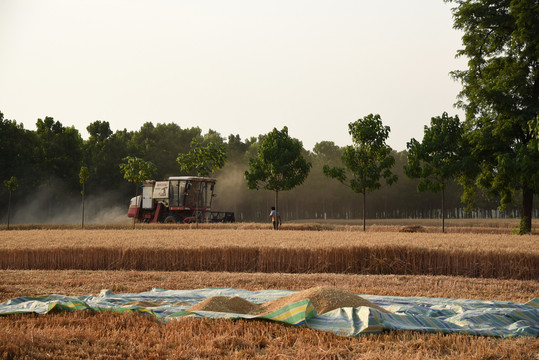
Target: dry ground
110	336
174	238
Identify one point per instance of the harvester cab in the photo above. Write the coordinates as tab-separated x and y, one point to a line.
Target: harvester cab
179	199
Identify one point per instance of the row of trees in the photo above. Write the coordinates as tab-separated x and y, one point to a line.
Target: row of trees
319	197
494	152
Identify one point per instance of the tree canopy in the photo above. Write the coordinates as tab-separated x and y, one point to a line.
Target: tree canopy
501	97
202	160
279	164
438	158
368	160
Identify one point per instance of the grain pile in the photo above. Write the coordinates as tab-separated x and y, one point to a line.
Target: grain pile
324	299
412	229
235	305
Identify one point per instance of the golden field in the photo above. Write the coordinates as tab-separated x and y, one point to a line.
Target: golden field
69	261
286	251
174	238
113	336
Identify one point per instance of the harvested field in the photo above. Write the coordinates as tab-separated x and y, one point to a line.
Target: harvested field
15	283
104	335
208	238
111	336
489	256
468	226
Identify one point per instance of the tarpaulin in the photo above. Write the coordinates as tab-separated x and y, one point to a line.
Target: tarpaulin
465	316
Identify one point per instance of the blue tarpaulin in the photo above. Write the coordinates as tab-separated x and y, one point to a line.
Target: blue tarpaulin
465	316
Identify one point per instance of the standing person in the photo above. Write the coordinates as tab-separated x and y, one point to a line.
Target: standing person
275	218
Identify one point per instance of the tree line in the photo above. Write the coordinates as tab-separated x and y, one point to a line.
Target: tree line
50	159
488	161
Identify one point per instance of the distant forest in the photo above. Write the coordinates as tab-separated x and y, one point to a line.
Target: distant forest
47	162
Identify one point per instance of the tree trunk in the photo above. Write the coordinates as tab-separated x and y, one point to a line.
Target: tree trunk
527	209
8	209
364	195
82	206
276	209
443	208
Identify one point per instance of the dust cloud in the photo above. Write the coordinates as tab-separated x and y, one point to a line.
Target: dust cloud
233	195
52	203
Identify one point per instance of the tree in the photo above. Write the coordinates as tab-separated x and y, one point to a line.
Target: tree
367	160
136	170
203	160
103	152
161	145
18	148
278	165
83	177
11	185
60	150
437	159
501	97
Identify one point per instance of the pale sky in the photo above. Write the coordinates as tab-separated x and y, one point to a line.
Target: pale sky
235	66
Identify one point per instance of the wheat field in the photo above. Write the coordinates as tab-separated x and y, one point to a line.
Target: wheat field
69	261
287	251
111	336
174	238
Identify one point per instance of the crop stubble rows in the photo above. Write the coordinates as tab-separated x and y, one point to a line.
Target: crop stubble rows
79	335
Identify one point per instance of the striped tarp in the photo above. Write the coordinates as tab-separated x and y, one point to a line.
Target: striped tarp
474	317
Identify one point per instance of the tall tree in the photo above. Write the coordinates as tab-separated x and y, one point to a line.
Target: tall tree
136	170
11	185
161	145
437	159
203	160
83	177
367	160
60	150
18	150
103	152
501	97
278	165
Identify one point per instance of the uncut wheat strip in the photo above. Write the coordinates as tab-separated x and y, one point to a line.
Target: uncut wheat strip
359	260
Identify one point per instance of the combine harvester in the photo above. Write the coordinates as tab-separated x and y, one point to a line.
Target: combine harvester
179	199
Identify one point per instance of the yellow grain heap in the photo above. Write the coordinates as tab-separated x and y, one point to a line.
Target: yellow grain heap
324	299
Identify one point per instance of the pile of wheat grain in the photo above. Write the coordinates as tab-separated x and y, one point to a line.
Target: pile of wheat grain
324	299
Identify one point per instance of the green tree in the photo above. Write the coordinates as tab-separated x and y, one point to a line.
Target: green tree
368	160
161	145
202	160
236	148
18	153
501	97
83	177
279	164
136	170
103	152
12	185
438	158
60	150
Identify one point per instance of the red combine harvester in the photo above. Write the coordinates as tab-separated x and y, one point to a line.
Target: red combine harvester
179	199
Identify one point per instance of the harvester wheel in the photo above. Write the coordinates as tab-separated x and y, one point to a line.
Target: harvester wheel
171	219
